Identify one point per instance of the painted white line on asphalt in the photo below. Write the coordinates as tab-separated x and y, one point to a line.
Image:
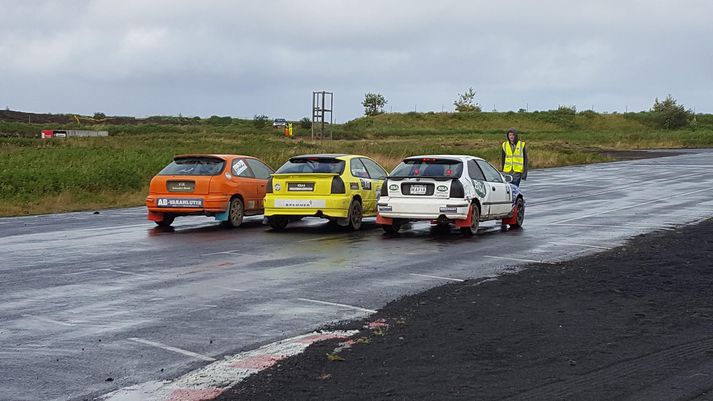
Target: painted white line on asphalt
582	245
630	206
624	226
46	320
128	273
336	304
111	228
316	239
436	277
221	253
514	259
230	289
210	381
204	307
173	349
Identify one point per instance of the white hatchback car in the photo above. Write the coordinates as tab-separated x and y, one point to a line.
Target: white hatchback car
448	189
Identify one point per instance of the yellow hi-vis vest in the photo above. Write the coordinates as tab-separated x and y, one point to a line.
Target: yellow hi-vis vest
514	160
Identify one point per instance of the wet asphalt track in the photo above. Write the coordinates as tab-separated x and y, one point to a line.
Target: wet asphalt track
87	297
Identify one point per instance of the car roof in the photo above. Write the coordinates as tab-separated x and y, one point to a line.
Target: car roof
211	155
461	157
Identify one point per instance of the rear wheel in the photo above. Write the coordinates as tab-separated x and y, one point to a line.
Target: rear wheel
392	228
474	221
355	215
278	223
166	222
236	211
520	217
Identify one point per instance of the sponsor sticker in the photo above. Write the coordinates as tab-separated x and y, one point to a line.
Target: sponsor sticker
449	210
298	203
385	208
239	167
179	202
393	187
365	184
354	186
442	188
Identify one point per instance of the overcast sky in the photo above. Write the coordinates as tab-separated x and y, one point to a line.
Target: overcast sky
241	58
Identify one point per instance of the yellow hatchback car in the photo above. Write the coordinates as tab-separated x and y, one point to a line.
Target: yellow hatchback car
339	187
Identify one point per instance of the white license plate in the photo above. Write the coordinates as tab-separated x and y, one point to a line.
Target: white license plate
417	190
300	203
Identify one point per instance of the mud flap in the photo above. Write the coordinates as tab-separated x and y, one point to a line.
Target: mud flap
467	222
513	219
386	221
223	216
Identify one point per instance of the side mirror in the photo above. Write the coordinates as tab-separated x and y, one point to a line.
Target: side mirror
508	178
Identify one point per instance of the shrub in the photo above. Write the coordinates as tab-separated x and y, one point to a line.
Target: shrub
668	114
306	123
260	121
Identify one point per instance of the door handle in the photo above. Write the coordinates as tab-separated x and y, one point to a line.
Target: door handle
493	188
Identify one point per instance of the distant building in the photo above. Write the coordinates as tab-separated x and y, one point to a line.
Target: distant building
48	133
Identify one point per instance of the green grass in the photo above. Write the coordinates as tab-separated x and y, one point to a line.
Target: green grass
38	176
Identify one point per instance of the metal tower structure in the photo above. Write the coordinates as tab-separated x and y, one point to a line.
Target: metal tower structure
322	120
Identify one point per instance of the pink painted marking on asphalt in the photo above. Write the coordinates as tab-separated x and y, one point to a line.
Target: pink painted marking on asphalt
378	323
257	362
318	337
186	394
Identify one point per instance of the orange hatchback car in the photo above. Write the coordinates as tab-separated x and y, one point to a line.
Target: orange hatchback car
227	187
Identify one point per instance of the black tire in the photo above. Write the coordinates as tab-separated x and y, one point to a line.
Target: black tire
355	215
474	221
278	223
236	212
520	213
166	222
392	228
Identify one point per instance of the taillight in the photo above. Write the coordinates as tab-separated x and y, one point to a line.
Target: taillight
338	186
268	189
457	189
385	188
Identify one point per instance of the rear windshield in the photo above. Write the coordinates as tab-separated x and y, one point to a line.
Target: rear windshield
194	166
312	165
428	167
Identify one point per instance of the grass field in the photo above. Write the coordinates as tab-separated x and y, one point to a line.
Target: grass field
40	176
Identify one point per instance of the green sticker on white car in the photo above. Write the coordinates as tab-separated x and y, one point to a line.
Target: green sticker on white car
480	188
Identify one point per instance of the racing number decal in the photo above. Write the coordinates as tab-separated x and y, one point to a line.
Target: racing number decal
480	188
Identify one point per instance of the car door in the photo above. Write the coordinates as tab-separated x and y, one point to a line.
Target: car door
262	173
365	187
500	200
377	175
246	184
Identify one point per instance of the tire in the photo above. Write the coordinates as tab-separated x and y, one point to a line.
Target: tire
392	228
355	215
236	212
166	222
474	221
278	223
520	205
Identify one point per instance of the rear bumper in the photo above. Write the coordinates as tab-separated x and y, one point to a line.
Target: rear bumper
423	209
211	204
327	206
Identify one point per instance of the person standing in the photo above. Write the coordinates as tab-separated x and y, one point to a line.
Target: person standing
513	157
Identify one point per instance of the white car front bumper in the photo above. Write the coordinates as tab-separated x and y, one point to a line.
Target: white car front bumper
423	208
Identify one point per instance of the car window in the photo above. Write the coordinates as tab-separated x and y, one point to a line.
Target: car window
241	169
474	171
261	170
491	174
194	166
311	164
357	168
429	167
375	171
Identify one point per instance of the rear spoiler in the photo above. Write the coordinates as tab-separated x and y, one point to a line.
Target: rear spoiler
437	178
304	174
